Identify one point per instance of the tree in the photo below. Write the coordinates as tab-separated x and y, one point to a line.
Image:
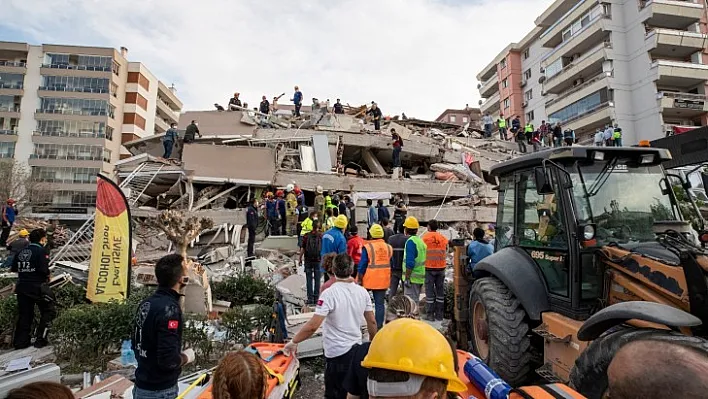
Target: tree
17	182
179	228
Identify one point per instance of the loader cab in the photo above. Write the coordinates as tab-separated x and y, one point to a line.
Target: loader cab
560	205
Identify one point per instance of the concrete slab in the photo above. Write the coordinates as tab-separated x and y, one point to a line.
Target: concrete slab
293	289
323	161
372	162
283	243
47	372
307	158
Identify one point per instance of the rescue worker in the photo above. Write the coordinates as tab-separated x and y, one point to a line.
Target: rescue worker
252	224
51	230
329	220
411	359
280	209
333	240
399	215
501	123
414	257
16	246
157	337
32	268
617	135
328	201
383	212
311	250
520	137
355	245
569	137
319	200
9	214
398	243
290	210
168	141
435	262
375	269
340	308
371	215
528	132
477	250
271	214
191	132
306	225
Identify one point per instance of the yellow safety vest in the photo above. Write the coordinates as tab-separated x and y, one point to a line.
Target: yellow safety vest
501	122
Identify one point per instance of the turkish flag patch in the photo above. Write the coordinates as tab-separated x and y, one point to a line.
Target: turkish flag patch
172	324
320	302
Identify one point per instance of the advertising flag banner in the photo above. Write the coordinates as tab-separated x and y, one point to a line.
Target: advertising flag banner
109	268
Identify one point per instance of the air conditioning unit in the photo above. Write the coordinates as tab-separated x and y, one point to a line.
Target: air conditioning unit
480	102
575	56
479	86
541	79
524	104
542	70
523	83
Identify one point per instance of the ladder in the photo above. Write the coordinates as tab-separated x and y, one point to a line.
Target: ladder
77	249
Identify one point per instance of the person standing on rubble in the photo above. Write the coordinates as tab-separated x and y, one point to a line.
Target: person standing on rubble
521	140
544	131
191	132
435	263
264	107
338	108
372	216
157	337
557	135
235	103
280	208
306	227
376	115
340	308
319	201
271	215
388	231
32	268
252	224
20	243
478	249
333	240
501	123
171	136
383	212
290	210
487	122
297	100
399	215
375	269
329	220
398	243
355	245
414	257
397	148
311	250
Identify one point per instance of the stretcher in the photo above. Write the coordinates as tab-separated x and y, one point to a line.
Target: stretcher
283	374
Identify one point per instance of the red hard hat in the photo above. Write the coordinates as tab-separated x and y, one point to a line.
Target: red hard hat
279	193
10	201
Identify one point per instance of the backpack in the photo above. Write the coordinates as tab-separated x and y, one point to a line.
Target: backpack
313	246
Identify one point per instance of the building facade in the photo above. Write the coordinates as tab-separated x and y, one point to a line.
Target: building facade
640	64
461	117
66	110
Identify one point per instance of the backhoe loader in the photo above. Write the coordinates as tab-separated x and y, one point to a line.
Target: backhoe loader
591	252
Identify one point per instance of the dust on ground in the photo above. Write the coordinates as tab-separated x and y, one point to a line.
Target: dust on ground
311	378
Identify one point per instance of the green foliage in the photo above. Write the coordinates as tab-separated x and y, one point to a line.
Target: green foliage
8	315
687	210
239	323
242	290
5	281
198	335
70	295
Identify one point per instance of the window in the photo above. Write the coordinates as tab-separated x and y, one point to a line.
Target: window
529	116
465	119
11	80
64	174
7	150
526	54
542	234
528	95
527	74
505	83
453	119
75	84
58	128
507	103
75	106
581	107
505	213
502	63
68	151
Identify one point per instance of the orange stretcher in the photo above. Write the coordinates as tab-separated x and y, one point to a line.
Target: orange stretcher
283	371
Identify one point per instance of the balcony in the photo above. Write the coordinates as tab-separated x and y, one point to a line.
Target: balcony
679	74
672	14
490	105
161	125
164	111
9	132
555	12
13	67
682	105
9	111
589	37
576	93
588	122
169	97
553	36
11	89
75	70
489	87
588	64
671	43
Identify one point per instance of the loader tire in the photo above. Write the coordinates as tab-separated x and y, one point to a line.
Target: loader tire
499	331
589	375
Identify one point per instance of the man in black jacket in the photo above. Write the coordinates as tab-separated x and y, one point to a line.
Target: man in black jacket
32	267
264	108
376	115
191	132
157	338
252	224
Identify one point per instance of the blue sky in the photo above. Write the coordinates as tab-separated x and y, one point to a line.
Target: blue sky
415	56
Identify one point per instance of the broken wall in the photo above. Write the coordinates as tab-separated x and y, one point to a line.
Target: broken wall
254	165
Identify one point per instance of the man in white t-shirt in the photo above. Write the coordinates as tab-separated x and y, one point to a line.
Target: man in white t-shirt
341	308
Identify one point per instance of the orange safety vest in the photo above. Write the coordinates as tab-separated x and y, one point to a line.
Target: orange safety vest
378	272
549	391
437	250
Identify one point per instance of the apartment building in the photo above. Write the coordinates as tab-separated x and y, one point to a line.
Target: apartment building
461	117
66	110
641	64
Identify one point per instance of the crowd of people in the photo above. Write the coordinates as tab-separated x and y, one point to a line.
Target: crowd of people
547	134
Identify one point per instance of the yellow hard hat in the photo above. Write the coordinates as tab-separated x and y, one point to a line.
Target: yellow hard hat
413	346
24	233
376	231
411	223
341	222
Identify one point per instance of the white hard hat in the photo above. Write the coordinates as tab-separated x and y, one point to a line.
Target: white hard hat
289	187
318	189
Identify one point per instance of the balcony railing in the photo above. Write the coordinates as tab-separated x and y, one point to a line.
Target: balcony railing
75	112
87	180
683	96
679	64
9	132
78	67
574	89
587	112
11	85
73	157
75	89
582	58
7	154
590	24
96	135
13	63
9	108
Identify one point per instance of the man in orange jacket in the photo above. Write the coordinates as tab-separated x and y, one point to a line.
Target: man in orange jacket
375	269
435	262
